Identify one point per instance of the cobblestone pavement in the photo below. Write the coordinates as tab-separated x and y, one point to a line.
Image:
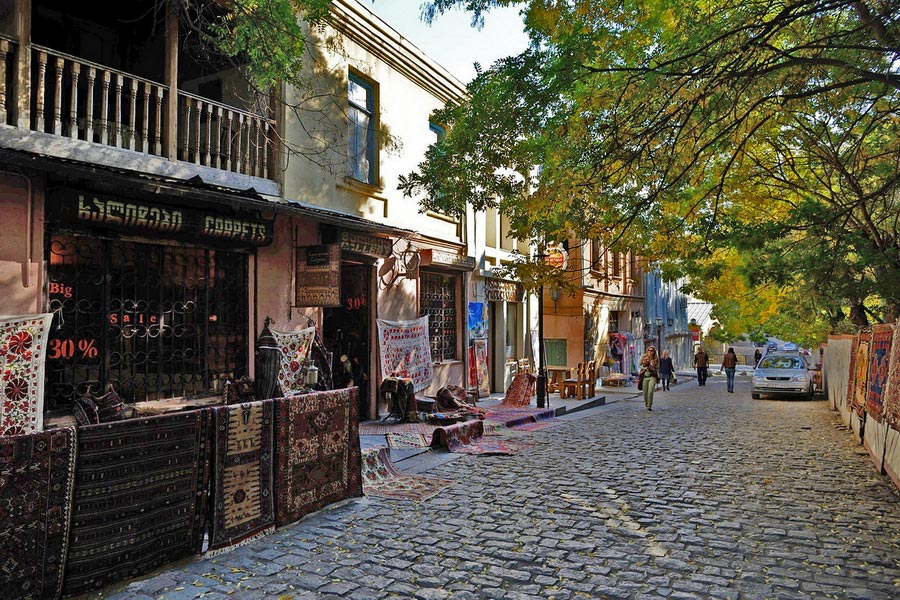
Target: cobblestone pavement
710	495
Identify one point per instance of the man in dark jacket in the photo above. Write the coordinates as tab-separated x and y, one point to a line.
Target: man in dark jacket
701	362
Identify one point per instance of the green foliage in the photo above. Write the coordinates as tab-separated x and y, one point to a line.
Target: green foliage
751	146
265	37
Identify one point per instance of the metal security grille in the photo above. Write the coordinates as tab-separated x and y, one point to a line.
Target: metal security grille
439	303
155	321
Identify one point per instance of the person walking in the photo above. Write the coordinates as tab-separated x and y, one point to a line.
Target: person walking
729	364
666	368
756	357
701	363
650	372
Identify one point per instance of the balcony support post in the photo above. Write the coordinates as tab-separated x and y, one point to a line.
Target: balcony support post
171	75
22	81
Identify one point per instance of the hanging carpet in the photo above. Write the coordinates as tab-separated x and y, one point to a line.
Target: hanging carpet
139	500
37	473
316	452
381	478
879	363
892	391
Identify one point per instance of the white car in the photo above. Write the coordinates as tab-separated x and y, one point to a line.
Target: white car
782	374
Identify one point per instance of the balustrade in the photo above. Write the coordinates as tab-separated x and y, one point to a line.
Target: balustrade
82	100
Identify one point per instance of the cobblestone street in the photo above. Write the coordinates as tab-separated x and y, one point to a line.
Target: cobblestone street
710	495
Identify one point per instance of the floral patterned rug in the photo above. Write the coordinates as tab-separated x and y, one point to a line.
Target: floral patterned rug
381	478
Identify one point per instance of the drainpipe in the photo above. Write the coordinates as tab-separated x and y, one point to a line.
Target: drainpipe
29	227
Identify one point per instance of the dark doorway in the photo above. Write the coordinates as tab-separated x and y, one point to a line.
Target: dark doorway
346	332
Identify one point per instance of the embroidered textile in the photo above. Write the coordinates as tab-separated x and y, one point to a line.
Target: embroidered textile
879	361
892	391
243	507
316	452
294	346
405	351
381	478
37	473
861	379
140	498
23	350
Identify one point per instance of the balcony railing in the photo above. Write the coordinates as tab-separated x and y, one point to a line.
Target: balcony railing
7	58
78	99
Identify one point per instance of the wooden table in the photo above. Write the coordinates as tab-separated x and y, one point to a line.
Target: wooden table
557	376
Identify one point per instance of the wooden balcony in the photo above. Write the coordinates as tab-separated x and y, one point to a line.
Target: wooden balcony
73	98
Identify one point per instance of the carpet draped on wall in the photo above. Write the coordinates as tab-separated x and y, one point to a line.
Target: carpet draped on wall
316	452
37	473
140	498
243	501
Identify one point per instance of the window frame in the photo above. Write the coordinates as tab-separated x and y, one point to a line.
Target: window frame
371	111
434	342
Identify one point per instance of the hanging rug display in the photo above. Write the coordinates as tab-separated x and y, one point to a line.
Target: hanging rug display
23	351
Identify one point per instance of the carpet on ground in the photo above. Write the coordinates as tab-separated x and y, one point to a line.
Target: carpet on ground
892	391
243	507
381	478
23	349
403	440
139	500
879	362
467	437
861	381
316	452
378	428
37	473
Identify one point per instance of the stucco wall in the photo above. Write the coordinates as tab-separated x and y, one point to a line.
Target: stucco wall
21	285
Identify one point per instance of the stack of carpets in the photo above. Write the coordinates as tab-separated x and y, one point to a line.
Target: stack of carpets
381	478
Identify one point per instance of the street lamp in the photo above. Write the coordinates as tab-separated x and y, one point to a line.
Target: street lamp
659	324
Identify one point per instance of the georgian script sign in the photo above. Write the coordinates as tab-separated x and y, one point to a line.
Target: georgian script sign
447	259
177	222
318	277
496	290
367	245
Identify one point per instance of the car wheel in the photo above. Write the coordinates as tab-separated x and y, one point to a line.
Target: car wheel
755	396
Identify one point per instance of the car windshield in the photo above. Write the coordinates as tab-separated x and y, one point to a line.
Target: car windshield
782	362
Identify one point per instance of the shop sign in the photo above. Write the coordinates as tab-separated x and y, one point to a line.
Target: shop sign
432	257
132	216
496	290
367	245
557	257
318	275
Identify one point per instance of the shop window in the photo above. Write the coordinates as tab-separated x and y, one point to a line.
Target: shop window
362	125
154	321
439	302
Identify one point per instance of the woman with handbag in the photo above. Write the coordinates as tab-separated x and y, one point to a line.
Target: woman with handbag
649	375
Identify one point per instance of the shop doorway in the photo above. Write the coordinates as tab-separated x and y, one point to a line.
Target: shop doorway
345	331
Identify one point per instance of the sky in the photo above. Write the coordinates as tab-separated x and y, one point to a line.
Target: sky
451	41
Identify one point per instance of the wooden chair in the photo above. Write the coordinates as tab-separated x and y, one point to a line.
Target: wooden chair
593	370
575	386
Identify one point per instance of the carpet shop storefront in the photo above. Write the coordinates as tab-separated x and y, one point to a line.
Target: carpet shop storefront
153	295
